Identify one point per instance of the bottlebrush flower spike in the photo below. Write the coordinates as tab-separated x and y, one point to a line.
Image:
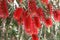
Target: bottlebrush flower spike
45	2
35	37
3	9
37	22
41	14
49	7
40	11
48	22
57	15
34	30
32	6
29	26
17	14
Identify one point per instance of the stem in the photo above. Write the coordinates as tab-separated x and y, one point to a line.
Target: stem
3	29
45	34
21	38
6	33
18	33
40	32
56	30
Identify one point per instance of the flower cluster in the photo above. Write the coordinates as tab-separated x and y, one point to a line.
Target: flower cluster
33	17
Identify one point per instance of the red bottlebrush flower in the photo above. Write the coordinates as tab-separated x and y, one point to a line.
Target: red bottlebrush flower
3	9
49	6
29	26
28	22
57	15
32	6
45	1
35	37
17	15
37	22
34	30
41	14
48	22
